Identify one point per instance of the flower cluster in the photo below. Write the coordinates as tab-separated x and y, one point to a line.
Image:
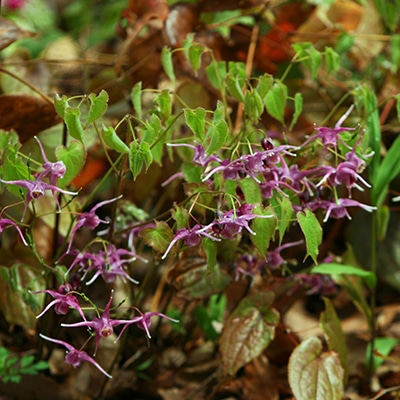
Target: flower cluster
102	326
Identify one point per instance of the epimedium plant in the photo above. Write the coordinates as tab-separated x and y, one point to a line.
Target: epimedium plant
237	194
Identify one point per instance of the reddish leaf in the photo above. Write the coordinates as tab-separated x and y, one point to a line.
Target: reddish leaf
28	115
248	331
314	374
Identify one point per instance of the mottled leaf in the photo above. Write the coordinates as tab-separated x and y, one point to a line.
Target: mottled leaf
314	374
248	331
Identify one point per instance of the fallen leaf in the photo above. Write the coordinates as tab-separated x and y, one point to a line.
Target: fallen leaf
27	115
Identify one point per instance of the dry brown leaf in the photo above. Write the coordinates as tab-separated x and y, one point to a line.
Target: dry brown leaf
10	32
27	115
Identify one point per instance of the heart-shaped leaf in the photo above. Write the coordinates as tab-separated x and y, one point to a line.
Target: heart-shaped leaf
248	331
313	374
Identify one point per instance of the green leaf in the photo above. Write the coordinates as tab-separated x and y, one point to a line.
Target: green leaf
298	108
73	121
383	346
331	59
365	99
194	54
313	374
98	106
180	215
251	190
248	331
113	141
216	134
340	269
197	281
332	328
216	72
395	49
164	103
136	97
264	229
196	120
235	86
284	211
60	104
139	156
312	232
166	60
253	105
159	237
308	55
275	101
264	84
210	249
387	171
73	157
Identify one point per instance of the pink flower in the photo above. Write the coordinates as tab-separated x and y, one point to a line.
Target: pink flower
75	357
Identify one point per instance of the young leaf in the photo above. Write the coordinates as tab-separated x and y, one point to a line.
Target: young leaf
284	211
98	106
196	120
387	171
264	229
332	328
340	269
113	141
136	97
210	249
234	86
298	108
253	105
264	84
159	237
164	103
216	72
395	48
312	232
166	60
216	134
383	346
73	157
60	104
139	155
73	121
275	100
251	190
195	52
313	374
331	59
248	331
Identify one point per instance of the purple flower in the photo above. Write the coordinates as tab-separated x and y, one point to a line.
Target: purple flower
231	222
63	300
52	171
330	136
145	322
109	264
35	190
190	236
89	220
334	209
14	4
274	258
4	222
103	325
248	265
75	357
317	284
200	157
